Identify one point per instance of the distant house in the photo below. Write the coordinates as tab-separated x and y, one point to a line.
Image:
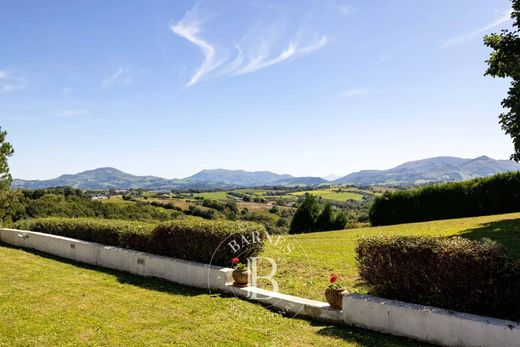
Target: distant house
99	197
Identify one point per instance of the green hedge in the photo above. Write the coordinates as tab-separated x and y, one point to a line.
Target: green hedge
106	231
215	242
482	196
196	240
454	273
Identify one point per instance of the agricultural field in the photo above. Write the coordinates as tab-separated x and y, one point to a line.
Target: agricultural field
219	195
304	271
47	301
336	194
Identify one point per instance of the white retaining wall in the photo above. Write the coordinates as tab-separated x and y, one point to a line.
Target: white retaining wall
418	322
429	324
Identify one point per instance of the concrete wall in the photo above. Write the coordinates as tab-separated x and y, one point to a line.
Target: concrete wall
189	273
428	324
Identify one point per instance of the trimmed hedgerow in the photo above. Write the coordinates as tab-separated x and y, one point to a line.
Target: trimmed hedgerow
455	273
215	242
106	231
477	197
197	240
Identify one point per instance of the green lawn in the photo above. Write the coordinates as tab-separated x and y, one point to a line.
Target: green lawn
331	194
46	301
304	271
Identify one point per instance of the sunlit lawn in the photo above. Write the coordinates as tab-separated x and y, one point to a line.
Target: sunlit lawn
304	271
46	301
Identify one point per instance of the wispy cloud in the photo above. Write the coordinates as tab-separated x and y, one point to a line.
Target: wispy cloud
349	93
189	28
10	82
121	77
292	51
504	18
255	50
72	113
347	10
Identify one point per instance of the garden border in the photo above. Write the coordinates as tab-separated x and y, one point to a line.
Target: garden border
418	322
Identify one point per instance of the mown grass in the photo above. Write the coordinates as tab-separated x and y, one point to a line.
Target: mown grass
305	269
332	194
46	301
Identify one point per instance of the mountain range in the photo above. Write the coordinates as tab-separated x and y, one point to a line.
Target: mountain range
438	169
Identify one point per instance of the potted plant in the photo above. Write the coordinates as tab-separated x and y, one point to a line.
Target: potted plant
240	272
334	293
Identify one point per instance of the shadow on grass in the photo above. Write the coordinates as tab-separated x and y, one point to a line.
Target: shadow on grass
151	283
367	338
505	232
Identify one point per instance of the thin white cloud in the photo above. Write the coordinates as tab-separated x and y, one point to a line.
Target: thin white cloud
190	30
10	82
347	10
349	93
122	77
257	44
504	18
72	113
292	51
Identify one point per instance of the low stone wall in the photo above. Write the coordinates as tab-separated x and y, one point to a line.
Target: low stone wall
418	322
429	324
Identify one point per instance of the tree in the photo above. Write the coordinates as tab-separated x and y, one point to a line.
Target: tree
504	62
6	150
340	222
305	217
326	219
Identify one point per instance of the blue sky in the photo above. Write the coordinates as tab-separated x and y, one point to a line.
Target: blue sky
169	88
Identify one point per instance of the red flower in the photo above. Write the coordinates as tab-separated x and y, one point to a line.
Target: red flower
333	278
235	261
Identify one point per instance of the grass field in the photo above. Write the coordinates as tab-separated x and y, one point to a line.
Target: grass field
212	195
305	270
332	194
45	301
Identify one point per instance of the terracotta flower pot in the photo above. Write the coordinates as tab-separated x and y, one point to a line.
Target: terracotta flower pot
241	277
334	298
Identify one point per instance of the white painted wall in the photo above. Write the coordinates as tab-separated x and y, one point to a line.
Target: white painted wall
429	324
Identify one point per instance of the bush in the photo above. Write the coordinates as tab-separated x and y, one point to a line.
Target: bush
108	232
196	240
454	273
208	241
206	213
481	196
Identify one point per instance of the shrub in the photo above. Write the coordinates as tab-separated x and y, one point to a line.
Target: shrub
205	213
208	241
481	196
109	232
194	239
454	273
